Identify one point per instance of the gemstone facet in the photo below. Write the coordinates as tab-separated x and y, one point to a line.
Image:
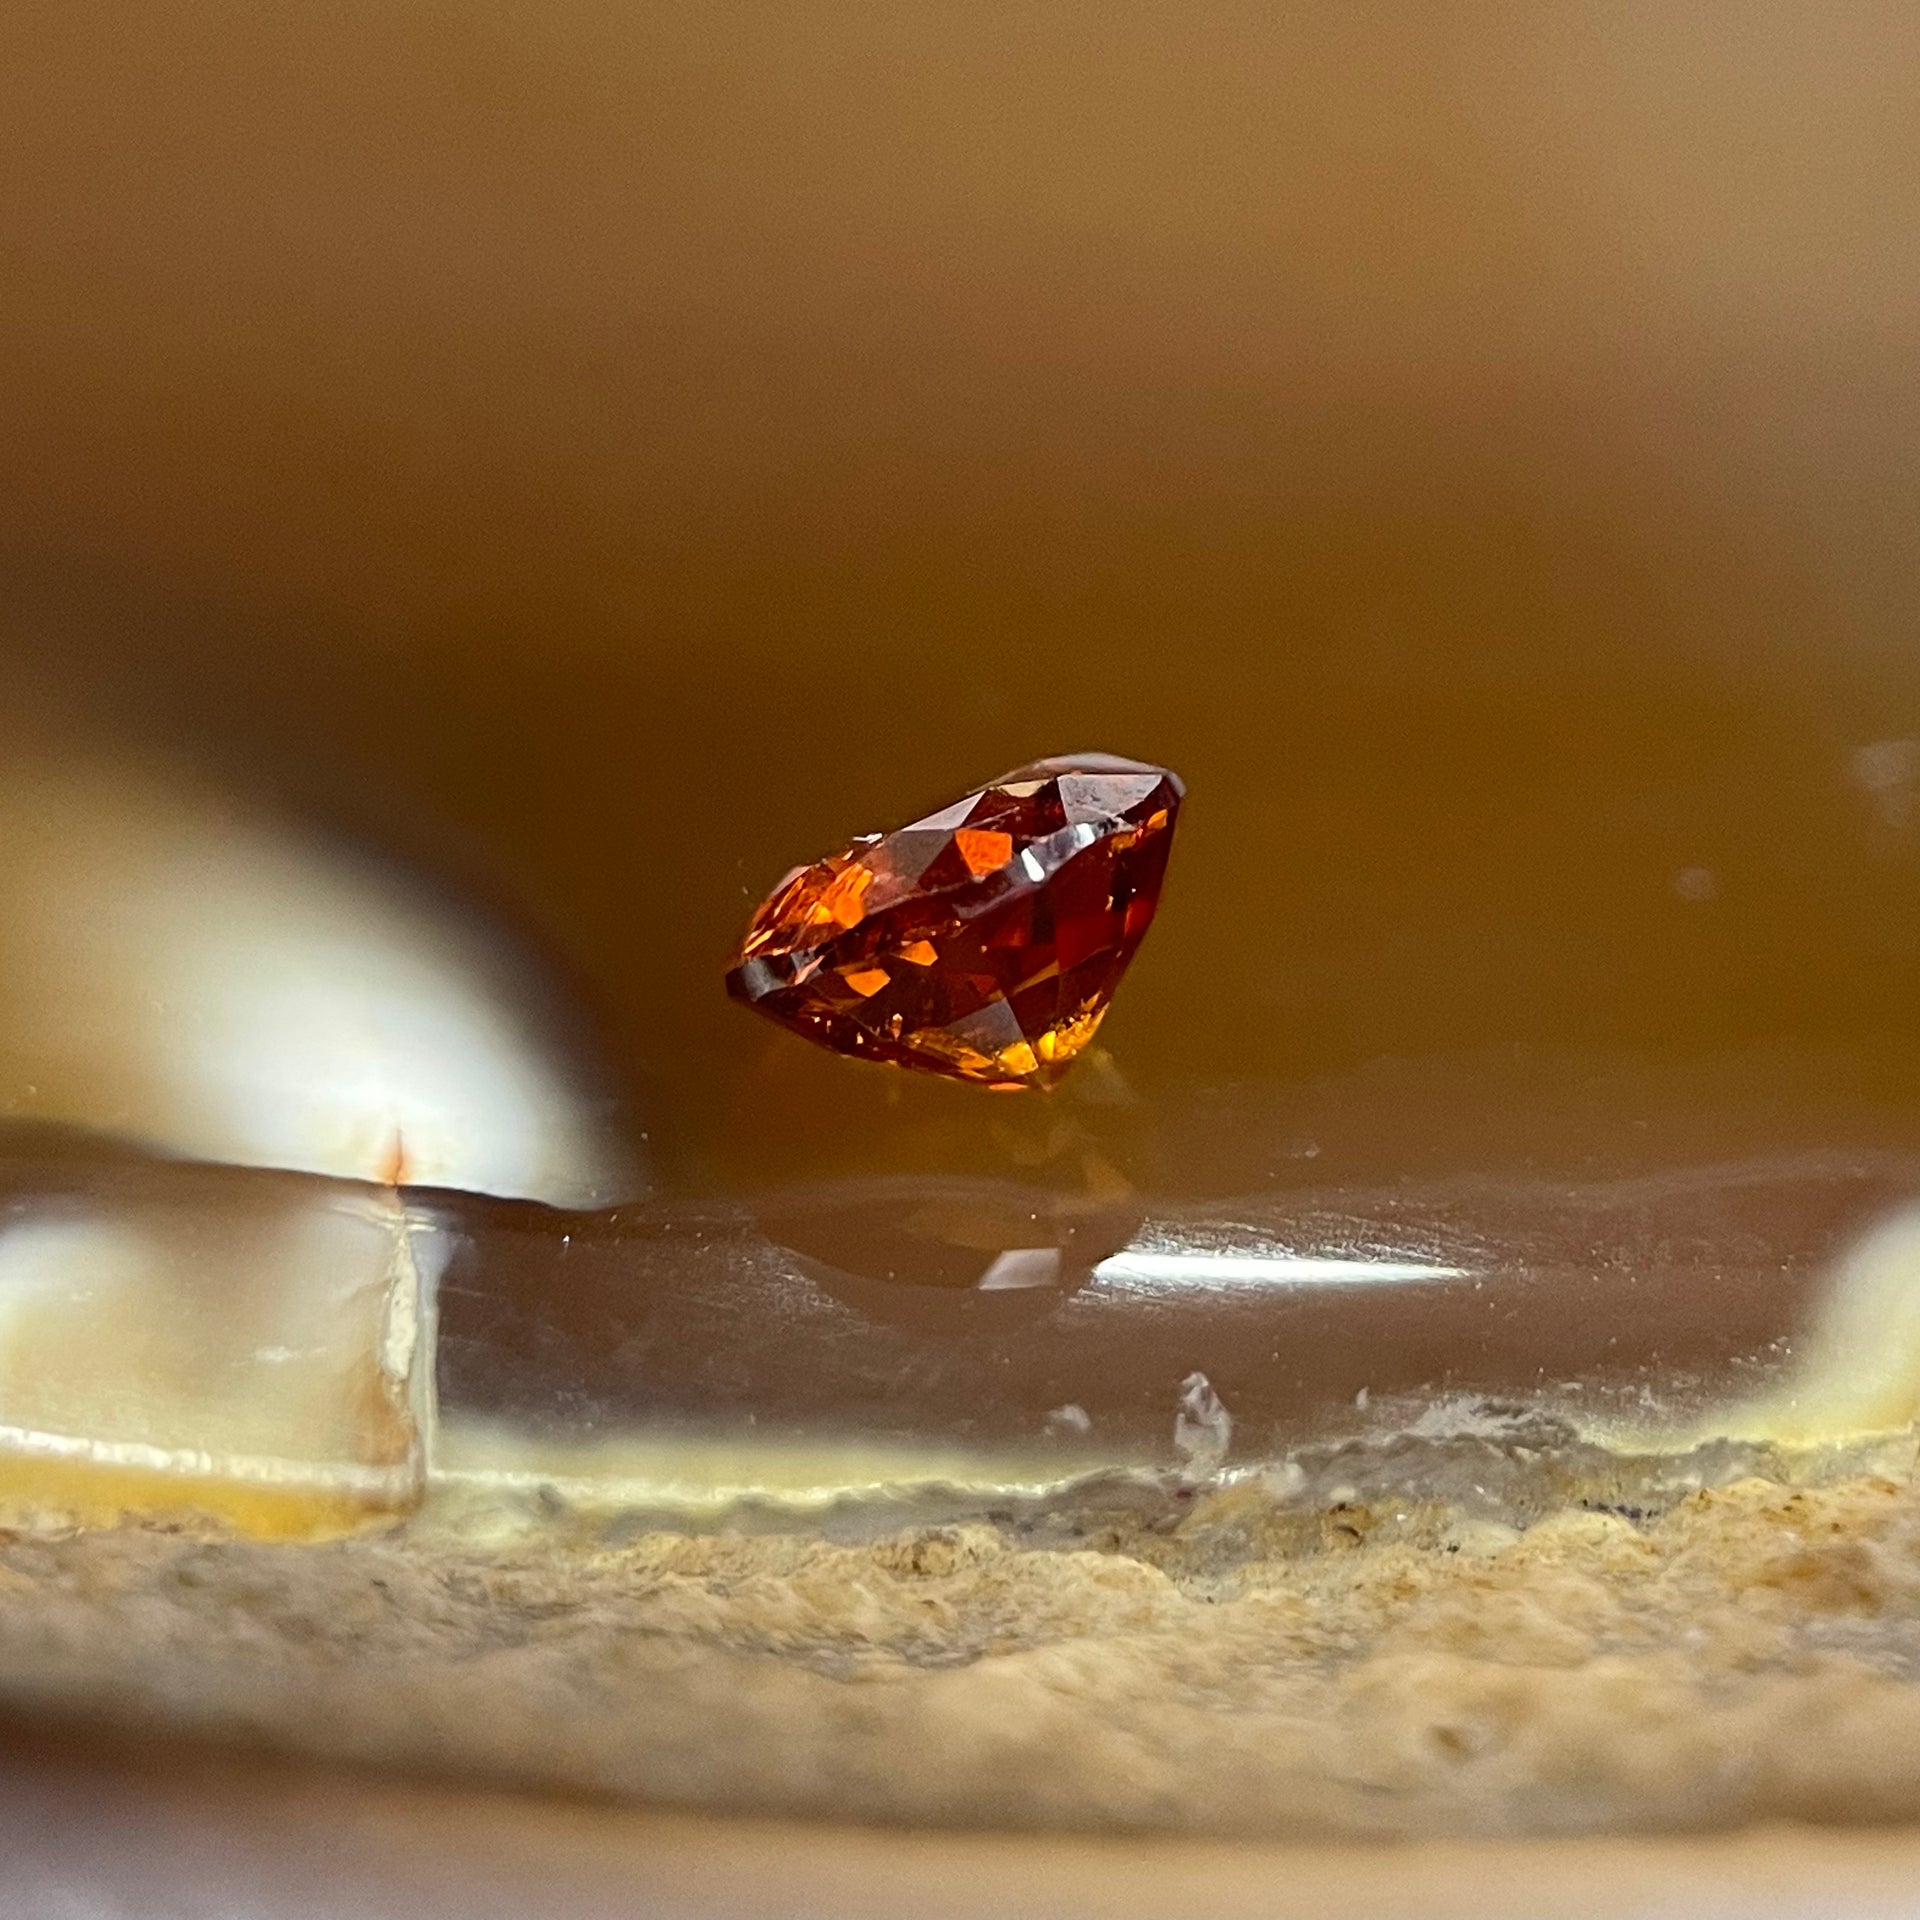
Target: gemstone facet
984	942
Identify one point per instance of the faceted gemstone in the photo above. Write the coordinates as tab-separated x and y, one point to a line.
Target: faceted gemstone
983	942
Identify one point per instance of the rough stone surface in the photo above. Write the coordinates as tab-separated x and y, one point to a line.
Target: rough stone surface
1750	1653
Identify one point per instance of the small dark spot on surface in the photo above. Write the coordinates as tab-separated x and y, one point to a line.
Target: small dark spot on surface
1621	1510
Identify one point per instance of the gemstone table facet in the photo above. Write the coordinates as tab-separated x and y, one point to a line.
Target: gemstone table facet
983	942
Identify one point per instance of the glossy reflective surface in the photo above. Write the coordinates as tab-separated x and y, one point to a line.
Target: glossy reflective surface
427	622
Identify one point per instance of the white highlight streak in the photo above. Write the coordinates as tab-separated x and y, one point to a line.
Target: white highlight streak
1262	1270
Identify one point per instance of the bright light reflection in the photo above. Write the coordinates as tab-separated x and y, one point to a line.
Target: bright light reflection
184	972
1263	1270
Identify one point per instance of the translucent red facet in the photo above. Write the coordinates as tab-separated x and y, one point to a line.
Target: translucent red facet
983	942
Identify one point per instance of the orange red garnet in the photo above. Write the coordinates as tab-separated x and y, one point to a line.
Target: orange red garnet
983	942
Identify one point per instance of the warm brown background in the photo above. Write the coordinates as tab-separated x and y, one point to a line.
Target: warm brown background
617	449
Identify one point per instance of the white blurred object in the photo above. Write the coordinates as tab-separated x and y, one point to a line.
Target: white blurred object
1856	1370
187	973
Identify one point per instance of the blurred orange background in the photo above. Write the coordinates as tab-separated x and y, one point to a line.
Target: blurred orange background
613	452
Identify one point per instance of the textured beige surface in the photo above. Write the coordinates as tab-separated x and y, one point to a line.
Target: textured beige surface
1255	1671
